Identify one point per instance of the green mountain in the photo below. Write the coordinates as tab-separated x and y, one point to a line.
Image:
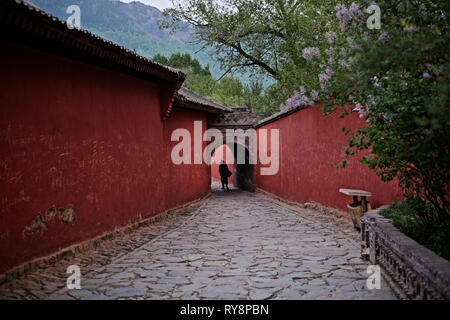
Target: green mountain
132	25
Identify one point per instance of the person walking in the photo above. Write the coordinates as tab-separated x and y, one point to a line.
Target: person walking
225	173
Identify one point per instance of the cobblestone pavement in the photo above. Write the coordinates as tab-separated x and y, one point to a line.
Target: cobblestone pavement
236	245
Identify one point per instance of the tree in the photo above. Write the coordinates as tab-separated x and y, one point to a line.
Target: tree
184	62
397	79
228	91
265	37
161	59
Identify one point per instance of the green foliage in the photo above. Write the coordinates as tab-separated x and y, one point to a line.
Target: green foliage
396	77
228	91
134	26
400	80
262	37
420	222
184	61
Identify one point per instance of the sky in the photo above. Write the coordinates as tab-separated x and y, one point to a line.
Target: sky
160	4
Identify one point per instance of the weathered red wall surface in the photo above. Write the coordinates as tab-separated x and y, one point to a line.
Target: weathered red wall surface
309	146
225	154
75	134
186	181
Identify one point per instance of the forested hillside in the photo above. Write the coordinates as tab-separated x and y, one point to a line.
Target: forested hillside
132	25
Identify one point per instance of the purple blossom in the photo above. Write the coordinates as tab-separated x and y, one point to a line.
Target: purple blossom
314	95
361	110
310	53
375	82
329	72
344	65
302	90
355	11
384	36
331	38
297	100
323	77
426	75
331	61
358	107
323	86
428	65
352	44
411	29
343	15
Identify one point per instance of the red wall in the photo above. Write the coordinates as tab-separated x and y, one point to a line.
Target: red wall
309	146
184	182
72	133
225	154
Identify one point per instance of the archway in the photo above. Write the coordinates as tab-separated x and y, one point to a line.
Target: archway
243	173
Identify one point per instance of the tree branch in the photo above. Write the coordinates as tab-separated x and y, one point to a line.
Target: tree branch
235	66
255	61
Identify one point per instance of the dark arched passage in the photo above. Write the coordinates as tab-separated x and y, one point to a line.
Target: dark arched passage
243	171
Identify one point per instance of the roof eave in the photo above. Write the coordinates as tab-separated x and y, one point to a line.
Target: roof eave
24	23
186	104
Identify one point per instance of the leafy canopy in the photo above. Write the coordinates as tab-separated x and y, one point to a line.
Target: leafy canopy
228	91
263	37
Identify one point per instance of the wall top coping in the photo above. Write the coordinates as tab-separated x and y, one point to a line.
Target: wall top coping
278	116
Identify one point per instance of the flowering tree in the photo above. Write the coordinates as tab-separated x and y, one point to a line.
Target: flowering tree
264	38
396	78
329	63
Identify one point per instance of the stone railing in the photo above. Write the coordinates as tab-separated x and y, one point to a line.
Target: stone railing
411	270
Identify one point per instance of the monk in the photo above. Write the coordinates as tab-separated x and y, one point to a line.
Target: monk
225	173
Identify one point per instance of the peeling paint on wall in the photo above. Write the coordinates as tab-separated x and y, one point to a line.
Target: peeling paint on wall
63	147
67	215
39	225
50	214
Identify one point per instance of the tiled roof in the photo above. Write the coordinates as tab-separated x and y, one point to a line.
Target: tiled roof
21	21
278	115
191	100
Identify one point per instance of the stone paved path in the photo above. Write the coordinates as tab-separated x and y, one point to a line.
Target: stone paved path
237	245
